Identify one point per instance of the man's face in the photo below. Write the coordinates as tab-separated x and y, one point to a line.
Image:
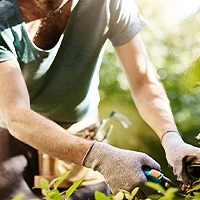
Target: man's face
48	5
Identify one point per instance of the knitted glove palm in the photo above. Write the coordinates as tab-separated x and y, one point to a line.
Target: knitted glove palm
177	152
122	169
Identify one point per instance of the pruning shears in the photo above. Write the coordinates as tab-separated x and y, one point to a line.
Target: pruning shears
158	177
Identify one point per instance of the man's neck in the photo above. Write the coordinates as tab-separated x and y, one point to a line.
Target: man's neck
29	8
49	5
32	5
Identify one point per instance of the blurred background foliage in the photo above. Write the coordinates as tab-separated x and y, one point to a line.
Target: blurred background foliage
172	39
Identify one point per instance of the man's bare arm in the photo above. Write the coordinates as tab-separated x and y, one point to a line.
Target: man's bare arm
48	137
29	126
147	91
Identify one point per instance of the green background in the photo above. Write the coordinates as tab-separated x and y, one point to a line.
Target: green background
173	46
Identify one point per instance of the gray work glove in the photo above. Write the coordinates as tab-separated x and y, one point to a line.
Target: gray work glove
179	154
122	169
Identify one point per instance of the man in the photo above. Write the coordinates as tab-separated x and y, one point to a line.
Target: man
50	53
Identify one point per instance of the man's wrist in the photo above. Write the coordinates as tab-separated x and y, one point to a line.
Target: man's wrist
84	159
169	132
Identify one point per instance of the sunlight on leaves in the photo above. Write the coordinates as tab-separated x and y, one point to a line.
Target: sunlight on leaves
61	179
119	196
73	188
156	187
18	197
100	196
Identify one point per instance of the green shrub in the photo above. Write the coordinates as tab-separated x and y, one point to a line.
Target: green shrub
50	191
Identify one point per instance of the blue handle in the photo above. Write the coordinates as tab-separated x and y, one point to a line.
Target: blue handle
153	175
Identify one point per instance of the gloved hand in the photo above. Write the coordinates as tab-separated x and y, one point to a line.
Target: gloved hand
178	153
122	169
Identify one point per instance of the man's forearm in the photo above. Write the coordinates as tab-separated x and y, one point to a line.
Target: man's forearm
154	107
148	93
46	136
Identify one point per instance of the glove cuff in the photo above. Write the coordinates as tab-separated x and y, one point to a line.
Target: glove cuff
170	135
87	153
170	131
99	154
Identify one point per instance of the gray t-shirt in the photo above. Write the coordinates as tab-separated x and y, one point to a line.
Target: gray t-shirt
63	81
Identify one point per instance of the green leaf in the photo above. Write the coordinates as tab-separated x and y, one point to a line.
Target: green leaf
170	193
53	182
154	196
110	196
194	189
73	188
18	197
125	192
61	179
37	187
134	192
44	192
156	187
128	196
100	196
118	196
197	181
197	195
63	192
188	197
44	184
54	194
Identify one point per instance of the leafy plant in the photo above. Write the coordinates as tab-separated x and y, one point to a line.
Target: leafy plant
18	197
50	190
161	193
123	194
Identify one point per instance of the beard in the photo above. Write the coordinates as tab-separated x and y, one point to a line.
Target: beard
48	5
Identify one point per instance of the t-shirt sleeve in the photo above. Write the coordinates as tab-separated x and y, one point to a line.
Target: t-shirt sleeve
125	21
7	9
5	54
5	51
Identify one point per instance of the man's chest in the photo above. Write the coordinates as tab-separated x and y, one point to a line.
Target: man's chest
45	31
